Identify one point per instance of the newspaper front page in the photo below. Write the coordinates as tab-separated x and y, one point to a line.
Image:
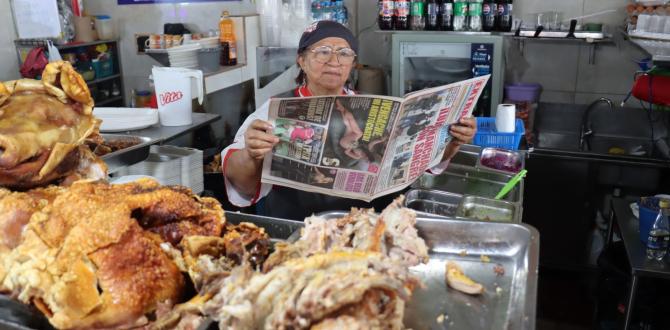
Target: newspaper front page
364	146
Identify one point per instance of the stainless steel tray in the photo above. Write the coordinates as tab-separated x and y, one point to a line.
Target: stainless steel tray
486	209
127	156
432	202
470	181
515	247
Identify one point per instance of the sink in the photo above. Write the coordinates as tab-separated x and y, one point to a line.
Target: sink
623	132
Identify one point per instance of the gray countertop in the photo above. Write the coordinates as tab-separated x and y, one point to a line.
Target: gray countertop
162	134
636	250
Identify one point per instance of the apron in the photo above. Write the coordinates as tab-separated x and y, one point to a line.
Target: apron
288	203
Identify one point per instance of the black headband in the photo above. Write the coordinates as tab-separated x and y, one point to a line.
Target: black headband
326	29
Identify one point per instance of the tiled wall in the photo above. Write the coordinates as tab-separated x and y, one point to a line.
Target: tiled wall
562	68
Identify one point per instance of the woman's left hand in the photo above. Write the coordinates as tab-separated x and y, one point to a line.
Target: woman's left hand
464	131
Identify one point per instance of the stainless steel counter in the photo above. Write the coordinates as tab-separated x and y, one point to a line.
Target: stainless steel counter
161	134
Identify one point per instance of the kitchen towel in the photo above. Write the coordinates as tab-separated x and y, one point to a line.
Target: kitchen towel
505	118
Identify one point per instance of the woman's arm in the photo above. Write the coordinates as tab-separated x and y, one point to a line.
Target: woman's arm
243	167
463	132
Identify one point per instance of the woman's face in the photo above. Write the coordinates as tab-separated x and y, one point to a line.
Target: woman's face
331	75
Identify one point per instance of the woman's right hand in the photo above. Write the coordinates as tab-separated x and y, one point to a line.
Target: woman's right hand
258	139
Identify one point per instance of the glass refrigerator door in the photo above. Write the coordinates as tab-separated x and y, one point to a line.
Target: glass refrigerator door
428	60
424	65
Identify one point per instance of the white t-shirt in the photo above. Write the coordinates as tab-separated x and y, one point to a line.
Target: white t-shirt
241	200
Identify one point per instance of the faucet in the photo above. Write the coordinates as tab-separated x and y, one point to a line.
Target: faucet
586	130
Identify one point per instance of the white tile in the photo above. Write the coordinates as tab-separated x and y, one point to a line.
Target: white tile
612	72
614	19
550	96
553	65
9	66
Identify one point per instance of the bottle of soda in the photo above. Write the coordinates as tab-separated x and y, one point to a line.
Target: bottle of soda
460	15
418	19
659	235
505	8
475	15
446	15
489	13
401	19
431	15
386	14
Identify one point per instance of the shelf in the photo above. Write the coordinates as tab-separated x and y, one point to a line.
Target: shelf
591	39
95	81
85	44
109	100
459	33
659	50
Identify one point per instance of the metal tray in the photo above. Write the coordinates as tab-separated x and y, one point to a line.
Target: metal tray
127	156
470	181
515	247
486	209
515	157
433	202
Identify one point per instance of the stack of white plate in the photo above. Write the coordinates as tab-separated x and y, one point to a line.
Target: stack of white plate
125	119
191	165
211	42
185	56
165	168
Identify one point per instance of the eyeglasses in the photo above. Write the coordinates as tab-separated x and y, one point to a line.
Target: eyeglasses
323	54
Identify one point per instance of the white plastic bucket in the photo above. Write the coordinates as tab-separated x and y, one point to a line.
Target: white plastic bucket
173	93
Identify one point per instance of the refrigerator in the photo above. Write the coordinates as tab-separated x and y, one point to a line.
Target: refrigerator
429	59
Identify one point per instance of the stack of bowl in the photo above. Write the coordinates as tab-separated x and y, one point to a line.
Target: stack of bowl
185	56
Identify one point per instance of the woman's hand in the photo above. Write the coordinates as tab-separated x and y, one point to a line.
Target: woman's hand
464	131
258	139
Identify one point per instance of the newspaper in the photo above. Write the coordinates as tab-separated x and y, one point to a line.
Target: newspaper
364	146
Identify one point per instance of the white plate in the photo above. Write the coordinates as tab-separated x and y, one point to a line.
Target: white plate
125	119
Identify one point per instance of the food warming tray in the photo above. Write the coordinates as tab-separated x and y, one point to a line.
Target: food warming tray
127	156
477	247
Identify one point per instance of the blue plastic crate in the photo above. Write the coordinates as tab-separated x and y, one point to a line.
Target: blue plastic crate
487	136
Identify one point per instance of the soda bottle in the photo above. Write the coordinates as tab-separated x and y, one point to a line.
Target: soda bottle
659	235
446	15
386	14
460	15
475	15
431	15
489	13
401	15
505	9
418	19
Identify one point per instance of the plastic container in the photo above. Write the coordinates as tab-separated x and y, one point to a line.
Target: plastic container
103	68
209	59
487	136
523	92
104	25
526	98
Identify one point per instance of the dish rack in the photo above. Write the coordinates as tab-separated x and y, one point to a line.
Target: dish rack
488	136
172	165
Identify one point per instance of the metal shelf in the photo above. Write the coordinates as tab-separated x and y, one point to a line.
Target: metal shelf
589	38
660	56
95	81
109	100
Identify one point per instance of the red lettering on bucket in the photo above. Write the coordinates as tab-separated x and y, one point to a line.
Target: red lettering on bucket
169	97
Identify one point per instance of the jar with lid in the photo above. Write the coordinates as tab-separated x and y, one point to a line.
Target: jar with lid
526	97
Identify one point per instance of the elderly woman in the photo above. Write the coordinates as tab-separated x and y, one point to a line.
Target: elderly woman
326	55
